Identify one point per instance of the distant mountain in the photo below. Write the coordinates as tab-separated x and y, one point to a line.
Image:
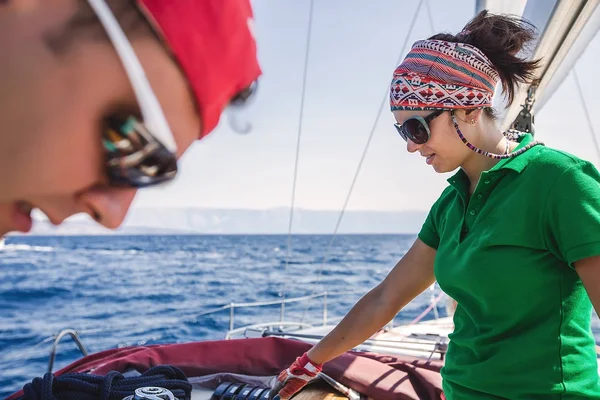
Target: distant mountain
225	221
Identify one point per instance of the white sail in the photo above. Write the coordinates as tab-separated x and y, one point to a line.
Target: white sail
565	29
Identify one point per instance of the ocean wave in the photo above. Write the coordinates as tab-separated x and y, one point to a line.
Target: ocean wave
25	247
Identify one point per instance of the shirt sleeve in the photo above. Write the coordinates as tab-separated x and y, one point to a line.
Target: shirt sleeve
572	214
429	233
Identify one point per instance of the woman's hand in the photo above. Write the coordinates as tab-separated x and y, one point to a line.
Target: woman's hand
295	377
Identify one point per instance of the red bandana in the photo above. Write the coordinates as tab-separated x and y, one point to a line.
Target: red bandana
214	44
436	74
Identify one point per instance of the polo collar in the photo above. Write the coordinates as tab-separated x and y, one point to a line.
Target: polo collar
519	162
461	182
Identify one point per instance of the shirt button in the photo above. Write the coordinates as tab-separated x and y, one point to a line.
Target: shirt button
487	181
479	195
472	212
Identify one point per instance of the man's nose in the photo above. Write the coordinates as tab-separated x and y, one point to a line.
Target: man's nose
108	205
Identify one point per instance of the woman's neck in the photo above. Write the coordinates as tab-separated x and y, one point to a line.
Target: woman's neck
491	140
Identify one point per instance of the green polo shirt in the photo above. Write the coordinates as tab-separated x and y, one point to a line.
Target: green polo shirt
505	254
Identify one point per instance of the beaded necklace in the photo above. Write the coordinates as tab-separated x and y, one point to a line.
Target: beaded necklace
511	135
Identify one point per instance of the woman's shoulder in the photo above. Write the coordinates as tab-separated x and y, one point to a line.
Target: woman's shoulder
550	161
563	173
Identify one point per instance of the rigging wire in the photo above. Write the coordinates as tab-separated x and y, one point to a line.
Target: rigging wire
430	17
362	158
587	113
299	135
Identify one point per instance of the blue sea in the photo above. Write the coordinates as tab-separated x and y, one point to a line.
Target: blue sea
134	290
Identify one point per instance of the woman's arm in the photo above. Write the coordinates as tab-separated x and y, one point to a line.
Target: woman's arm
589	272
411	276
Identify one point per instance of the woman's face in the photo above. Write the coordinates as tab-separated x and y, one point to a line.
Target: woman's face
444	150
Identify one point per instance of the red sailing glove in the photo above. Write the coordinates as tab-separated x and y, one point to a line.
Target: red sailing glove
295	377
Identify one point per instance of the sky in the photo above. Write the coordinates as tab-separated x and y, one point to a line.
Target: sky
354	48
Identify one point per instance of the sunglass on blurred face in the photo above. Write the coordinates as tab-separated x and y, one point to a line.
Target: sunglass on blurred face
416	129
140	153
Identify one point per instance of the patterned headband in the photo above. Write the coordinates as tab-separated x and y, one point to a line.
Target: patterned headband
436	74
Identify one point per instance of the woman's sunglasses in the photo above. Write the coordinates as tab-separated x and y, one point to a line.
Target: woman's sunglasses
416	129
140	153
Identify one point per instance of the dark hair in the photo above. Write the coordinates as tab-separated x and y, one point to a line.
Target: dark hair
85	24
500	37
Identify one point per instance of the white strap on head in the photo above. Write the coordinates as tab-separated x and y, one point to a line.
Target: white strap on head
152	114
